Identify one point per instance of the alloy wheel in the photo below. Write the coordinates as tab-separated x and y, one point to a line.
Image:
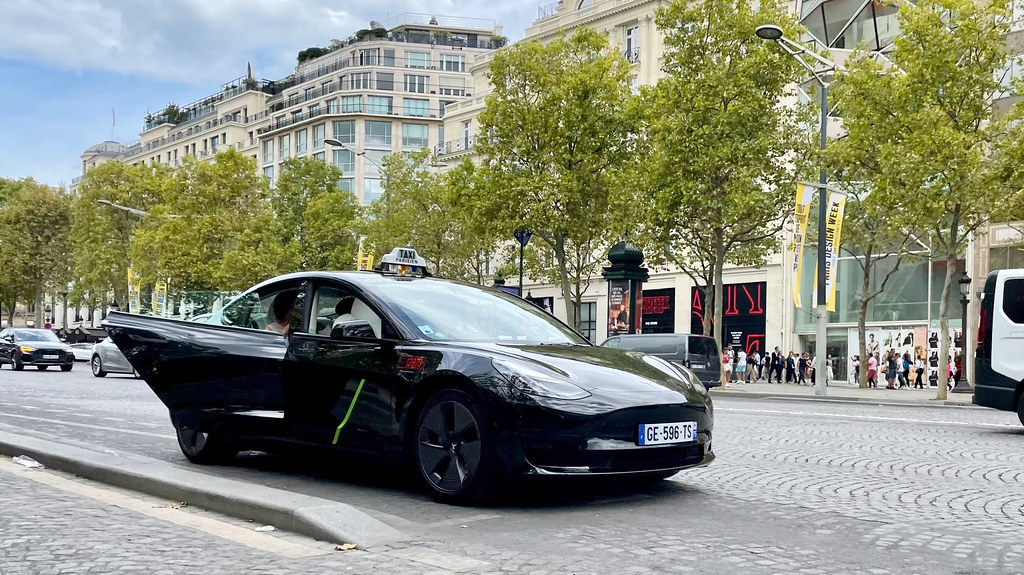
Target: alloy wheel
449	446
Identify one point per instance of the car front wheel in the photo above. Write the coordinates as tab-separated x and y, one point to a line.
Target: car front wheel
454	450
67	367
201	446
97	367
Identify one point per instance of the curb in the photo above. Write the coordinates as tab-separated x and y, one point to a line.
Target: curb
742	394
315	517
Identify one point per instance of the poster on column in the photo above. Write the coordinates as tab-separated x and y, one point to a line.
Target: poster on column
955	337
881	340
618	307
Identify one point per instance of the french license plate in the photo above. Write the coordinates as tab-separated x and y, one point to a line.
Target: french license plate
51	357
697	366
662	433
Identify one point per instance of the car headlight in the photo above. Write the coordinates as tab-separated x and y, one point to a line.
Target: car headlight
27	349
537	381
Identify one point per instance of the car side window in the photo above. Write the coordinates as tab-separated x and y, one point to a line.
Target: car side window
1013	300
243	312
333	305
271	308
612	343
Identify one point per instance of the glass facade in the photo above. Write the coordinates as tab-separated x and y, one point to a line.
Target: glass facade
906	298
850	24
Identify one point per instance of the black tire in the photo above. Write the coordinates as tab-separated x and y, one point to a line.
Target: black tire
1020	409
202	447
453	448
42	367
67	367
97	367
16	363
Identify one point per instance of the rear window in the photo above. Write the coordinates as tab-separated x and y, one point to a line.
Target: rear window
1013	300
652	344
705	346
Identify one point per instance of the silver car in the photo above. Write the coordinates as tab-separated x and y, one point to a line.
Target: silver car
106	358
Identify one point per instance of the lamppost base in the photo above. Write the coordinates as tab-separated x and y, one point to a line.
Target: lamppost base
962	387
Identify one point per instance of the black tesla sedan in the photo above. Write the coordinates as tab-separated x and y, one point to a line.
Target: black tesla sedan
39	347
466	384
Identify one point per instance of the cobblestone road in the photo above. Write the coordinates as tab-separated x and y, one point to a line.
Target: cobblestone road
799	487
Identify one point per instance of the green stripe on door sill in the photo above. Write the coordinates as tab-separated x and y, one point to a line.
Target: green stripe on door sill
351	406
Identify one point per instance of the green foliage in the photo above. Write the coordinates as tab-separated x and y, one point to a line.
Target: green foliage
35	247
442	215
720	176
558	131
311	53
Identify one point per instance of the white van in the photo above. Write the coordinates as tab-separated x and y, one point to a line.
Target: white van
999	358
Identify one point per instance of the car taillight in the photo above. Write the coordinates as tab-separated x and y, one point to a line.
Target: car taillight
983	325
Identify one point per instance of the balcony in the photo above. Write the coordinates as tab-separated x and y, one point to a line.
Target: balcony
414	113
454	147
632	55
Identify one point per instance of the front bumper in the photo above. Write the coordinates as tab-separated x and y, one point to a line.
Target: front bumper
47	357
557	443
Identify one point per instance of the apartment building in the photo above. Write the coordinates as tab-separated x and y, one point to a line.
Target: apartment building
383	90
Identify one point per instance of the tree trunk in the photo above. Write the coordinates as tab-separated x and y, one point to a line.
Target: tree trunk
563	276
709	305
862	319
947	284
39	309
64	311
719	261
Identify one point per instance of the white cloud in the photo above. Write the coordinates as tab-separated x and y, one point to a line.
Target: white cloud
207	41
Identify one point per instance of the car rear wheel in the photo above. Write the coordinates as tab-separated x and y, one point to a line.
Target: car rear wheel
42	367
67	367
201	446
97	367
454	451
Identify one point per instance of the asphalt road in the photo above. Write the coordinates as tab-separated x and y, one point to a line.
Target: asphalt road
798	487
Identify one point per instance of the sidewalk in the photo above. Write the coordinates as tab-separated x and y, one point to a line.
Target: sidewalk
842	391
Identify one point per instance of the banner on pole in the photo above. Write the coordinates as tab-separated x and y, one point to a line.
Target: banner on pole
833	229
804	196
159	298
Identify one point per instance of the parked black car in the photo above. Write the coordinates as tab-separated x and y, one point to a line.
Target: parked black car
464	383
39	347
699	353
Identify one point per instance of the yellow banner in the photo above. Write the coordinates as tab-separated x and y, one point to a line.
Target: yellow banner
804	196
132	291
833	229
159	298
364	261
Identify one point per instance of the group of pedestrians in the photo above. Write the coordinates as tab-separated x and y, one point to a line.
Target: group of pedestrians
900	371
738	367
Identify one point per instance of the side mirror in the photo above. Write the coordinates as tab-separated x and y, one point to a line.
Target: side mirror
356	328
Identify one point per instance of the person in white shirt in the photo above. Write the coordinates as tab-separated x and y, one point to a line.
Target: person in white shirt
741	366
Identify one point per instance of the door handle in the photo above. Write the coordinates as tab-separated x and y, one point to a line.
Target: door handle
1017	334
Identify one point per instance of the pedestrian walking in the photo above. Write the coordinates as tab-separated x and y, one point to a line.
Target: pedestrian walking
919	371
726	368
741	366
791	367
890	369
901	372
812	369
754	363
855	362
801	370
829	373
778	362
872	371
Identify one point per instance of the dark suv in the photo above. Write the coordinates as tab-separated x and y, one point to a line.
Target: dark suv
697	352
39	347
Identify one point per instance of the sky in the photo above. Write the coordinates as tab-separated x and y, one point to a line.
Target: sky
74	73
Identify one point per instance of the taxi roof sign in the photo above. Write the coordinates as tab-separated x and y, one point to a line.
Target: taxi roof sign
403	262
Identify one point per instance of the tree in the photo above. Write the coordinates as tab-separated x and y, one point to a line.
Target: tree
302	182
332	221
101	233
559	126
208	216
721	172
35	247
440	214
936	171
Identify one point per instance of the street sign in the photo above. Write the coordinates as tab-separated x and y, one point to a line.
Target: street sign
523	236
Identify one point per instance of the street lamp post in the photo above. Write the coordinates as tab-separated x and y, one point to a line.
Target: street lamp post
774	33
962	384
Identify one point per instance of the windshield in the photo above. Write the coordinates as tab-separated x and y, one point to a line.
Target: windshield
447	311
35	335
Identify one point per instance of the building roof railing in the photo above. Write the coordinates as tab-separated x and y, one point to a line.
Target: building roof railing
412	18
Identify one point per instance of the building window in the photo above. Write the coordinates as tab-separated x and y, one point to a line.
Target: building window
318	136
279	121
286	148
416	107
319	155
214	141
268	151
441	107
327	87
385	81
632	53
414	136
314	110
373	160
361	81
352	104
378	104
309	94
369	57
345	132
467	134
417	59
371	190
453	62
345	160
414	83
347	185
300	142
343	83
332	106
268	173
389	57
378	133
452	85
588	320
296	118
